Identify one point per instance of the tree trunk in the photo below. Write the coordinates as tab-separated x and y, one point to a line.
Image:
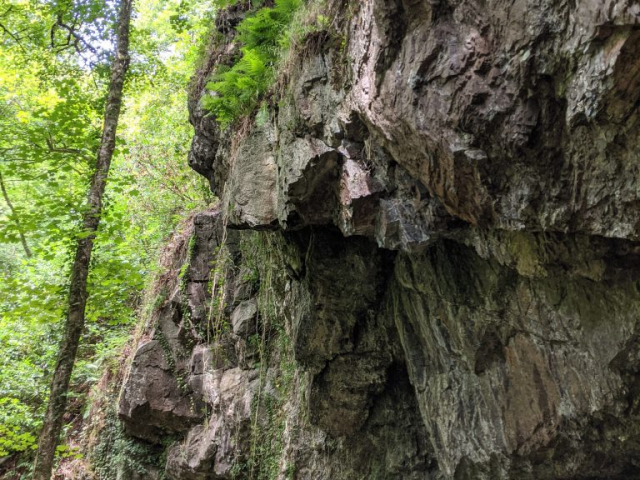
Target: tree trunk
53	419
23	239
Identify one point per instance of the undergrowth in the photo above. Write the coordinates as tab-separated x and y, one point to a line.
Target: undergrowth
117	455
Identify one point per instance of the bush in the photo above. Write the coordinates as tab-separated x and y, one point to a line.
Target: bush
16	427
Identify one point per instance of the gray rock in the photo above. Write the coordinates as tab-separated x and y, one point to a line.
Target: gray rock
156	398
244	317
251	196
210	451
452	257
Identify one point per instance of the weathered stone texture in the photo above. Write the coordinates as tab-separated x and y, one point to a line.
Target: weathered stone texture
451	192
156	399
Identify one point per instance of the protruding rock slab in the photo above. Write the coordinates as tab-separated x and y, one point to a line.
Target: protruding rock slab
153	402
243	318
251	195
156	399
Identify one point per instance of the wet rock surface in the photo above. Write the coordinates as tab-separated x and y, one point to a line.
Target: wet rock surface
450	226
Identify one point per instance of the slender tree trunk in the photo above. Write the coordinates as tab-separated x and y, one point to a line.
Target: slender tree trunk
53	419
23	239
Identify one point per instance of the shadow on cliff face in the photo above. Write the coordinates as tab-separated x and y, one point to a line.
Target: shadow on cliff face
300	370
495	354
523	360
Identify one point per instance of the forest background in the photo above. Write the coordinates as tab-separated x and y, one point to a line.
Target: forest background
54	71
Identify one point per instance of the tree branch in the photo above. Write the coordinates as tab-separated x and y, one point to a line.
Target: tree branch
79	38
23	239
15	38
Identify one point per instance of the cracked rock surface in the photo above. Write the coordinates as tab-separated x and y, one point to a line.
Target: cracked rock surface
451	221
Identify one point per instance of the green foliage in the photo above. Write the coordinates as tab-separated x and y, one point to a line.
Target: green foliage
117	455
28	335
236	90
14	433
222	4
51	104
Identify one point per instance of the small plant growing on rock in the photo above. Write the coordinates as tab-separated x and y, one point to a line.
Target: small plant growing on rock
237	89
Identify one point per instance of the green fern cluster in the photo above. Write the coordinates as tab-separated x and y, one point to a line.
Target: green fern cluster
228	3
236	90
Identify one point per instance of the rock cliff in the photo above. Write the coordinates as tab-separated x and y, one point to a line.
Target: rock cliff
426	260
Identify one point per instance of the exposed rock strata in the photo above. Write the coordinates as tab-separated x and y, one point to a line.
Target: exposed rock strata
453	255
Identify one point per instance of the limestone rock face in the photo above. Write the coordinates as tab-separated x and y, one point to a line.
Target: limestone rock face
445	237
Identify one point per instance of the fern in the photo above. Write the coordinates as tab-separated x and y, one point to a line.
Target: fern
236	90
221	4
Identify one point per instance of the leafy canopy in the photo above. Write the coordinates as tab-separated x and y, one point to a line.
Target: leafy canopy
51	104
